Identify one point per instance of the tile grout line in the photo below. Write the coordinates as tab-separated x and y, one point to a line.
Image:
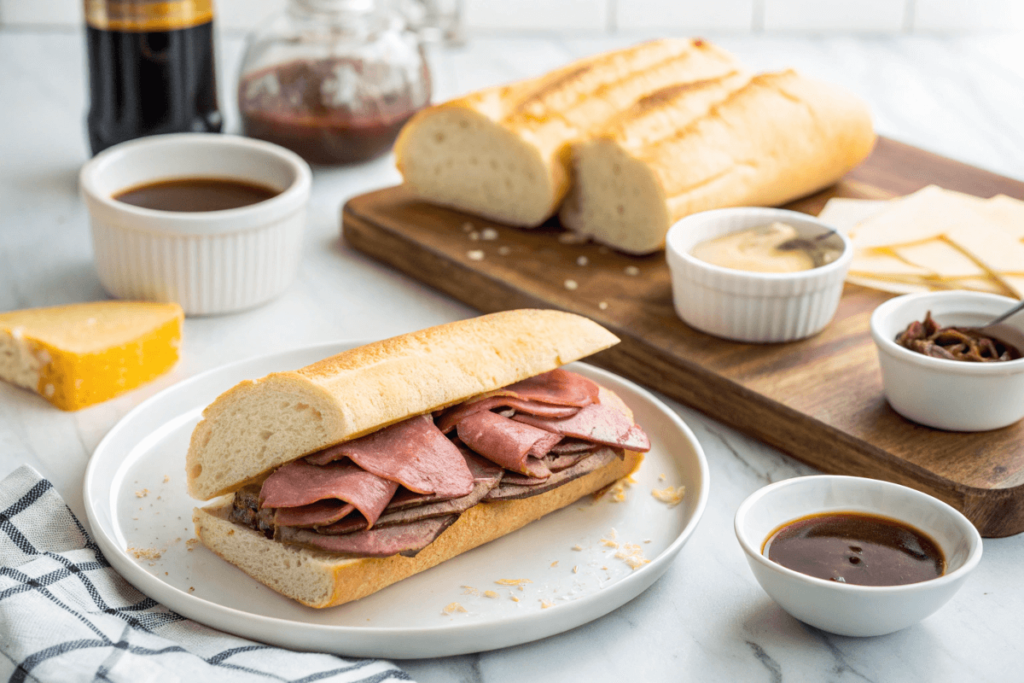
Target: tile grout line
909	12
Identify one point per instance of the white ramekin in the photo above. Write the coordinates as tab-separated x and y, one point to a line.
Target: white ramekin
752	307
208	262
848	609
947	394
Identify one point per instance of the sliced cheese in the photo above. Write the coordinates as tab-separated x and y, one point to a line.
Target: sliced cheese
924	215
843	213
78	355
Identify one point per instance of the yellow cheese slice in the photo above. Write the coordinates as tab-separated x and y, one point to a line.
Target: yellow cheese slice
919	217
939	256
1006	214
884	262
78	355
843	213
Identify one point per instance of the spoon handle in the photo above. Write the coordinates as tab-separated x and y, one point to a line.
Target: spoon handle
1016	309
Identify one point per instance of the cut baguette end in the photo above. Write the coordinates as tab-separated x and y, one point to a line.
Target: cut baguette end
457	157
319	580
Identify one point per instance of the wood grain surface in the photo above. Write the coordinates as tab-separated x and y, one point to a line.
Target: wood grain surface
819	400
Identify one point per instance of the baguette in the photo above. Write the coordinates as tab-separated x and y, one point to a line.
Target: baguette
503	152
722	143
259	432
319	579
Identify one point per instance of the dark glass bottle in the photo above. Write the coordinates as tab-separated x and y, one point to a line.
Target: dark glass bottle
151	69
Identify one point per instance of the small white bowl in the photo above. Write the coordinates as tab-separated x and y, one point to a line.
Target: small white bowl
208	262
848	609
946	394
746	306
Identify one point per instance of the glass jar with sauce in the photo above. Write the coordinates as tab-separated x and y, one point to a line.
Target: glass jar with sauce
332	80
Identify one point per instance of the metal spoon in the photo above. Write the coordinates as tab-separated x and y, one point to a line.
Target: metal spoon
1008	334
809	245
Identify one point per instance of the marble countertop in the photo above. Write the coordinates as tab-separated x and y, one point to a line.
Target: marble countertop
706	619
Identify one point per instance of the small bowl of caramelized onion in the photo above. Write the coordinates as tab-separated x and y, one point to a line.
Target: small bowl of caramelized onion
939	371
853	556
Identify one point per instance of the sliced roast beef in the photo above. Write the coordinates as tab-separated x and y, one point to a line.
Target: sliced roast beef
452	417
570	445
558	462
413	453
507	442
403	539
298	483
508	490
245	510
481	469
560	387
320	513
598	423
481	488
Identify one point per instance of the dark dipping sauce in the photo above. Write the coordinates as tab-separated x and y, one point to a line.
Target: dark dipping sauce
856	548
196	194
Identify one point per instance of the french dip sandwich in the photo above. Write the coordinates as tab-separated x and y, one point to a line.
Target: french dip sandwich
336	480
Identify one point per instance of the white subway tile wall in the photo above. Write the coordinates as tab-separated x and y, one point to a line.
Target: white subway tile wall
876	16
684	15
623	16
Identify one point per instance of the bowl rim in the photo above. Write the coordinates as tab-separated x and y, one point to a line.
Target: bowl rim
829	269
890	308
292	197
972	535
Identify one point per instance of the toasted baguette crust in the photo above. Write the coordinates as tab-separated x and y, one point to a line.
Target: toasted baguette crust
257	426
775	138
503	152
319	580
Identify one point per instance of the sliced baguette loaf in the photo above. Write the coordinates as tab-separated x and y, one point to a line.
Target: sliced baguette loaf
257	426
318	579
502	152
722	143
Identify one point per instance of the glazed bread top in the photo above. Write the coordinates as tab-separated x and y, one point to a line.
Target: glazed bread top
260	425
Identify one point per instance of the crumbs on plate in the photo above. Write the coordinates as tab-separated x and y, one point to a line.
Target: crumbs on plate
672	495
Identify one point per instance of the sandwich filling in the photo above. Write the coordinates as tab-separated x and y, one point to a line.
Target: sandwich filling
396	490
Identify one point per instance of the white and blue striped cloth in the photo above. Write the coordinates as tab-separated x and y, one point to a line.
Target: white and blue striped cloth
66	615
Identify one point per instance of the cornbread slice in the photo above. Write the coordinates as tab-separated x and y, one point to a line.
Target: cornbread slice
78	355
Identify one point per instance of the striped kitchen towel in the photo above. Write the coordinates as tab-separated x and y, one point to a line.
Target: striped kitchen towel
66	615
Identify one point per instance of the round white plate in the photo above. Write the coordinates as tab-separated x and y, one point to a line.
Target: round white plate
136	501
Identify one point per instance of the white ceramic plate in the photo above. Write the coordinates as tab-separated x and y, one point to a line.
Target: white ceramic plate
136	501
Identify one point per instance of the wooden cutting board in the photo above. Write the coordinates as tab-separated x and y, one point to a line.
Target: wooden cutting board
819	400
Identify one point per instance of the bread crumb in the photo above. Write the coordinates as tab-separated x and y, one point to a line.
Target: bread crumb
489	234
617	491
671	495
454	607
514	598
605	568
544	604
610	543
571	285
467	227
191	543
661	477
576	569
603	305
631	270
582	260
191	589
504	251
512	582
612	534
522	588
469	590
632	555
647	540
475	255
490	594
577	547
231	532
555	563
167	478
474	236
142	494
145	553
